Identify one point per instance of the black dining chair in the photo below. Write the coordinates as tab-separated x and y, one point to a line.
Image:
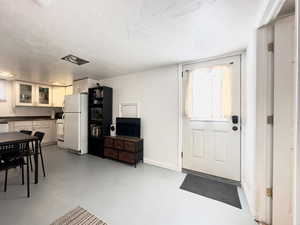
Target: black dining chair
28	132
12	156
40	136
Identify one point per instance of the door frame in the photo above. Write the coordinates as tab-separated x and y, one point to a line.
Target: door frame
265	146
297	148
264	131
240	53
284	127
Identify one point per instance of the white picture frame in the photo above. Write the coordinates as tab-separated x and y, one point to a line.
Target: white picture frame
129	109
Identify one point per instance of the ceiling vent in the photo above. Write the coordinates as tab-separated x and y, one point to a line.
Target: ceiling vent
74	59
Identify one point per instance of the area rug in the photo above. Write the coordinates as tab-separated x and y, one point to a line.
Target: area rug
78	216
223	192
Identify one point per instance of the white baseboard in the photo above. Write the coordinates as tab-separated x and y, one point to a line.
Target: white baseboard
249	198
49	143
160	164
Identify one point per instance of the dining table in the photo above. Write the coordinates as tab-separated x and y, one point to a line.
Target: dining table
7	138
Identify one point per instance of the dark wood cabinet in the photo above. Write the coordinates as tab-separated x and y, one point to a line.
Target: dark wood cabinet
110	153
125	149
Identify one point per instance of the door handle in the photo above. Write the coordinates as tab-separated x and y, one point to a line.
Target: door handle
235	119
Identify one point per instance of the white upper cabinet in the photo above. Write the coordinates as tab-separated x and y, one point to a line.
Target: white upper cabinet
29	94
58	94
83	85
69	90
44	95
3	87
80	86
25	94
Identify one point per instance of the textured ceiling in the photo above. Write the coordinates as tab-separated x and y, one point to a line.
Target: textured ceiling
117	36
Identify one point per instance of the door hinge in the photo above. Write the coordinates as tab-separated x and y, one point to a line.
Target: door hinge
182	155
182	74
271	47
269	192
270	119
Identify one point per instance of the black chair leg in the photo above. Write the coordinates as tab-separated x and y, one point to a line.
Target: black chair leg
42	160
5	181
31	168
22	168
28	180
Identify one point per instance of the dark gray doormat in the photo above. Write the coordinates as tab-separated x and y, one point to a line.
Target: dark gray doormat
216	190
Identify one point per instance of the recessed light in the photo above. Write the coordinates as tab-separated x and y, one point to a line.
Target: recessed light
74	59
6	75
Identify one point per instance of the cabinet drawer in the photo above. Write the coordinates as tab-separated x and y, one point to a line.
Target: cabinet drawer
108	142
19	128
110	153
41	123
23	123
130	146
127	157
119	144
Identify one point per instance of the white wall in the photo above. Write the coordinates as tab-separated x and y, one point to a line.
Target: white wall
7	108
248	124
297	157
157	92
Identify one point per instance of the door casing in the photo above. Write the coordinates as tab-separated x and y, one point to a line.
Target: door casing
212	61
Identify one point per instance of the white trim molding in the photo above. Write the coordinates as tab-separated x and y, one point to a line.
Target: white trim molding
264	131
217	57
272	9
160	164
180	114
296	208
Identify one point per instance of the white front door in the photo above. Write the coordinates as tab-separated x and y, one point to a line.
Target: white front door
211	120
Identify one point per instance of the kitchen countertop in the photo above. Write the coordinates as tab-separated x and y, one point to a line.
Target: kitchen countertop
6	119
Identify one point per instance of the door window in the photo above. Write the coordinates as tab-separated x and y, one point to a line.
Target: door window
208	94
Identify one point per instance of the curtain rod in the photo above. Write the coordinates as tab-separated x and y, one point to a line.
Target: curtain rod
188	70
222	56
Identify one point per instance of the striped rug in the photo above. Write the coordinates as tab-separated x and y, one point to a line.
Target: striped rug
78	216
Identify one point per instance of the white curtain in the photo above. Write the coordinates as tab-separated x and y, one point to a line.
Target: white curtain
188	109
208	93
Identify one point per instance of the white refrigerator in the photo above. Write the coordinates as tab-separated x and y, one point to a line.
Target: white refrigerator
76	123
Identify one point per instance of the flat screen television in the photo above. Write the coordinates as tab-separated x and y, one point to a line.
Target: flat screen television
128	127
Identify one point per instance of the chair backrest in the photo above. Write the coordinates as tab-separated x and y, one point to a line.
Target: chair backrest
28	132
9	149
13	151
39	135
